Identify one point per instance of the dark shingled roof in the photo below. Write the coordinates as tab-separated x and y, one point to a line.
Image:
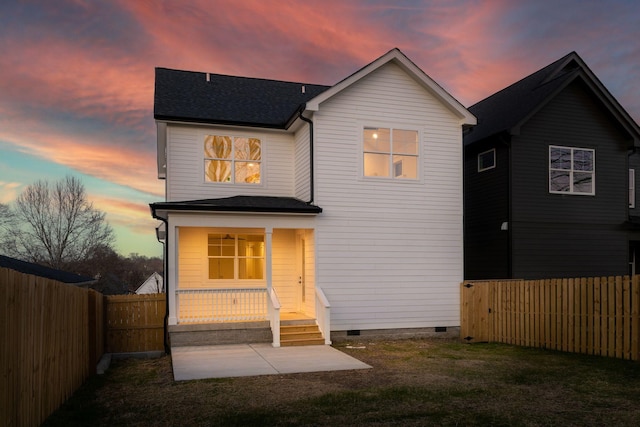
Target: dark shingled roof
42	271
188	96
241	204
512	106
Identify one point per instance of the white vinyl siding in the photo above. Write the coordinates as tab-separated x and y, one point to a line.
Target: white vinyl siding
389	252
302	158
185	173
284	268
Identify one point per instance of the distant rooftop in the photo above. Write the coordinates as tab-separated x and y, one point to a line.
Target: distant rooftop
42	271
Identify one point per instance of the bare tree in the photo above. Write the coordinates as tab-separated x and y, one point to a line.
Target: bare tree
6	217
7	221
56	225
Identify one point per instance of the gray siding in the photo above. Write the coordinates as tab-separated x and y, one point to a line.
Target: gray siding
569	235
486	199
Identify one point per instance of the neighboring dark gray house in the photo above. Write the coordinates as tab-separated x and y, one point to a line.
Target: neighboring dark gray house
547	188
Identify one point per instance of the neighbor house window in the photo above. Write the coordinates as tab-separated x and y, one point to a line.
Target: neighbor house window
390	153
232	159
632	188
235	256
487	160
571	170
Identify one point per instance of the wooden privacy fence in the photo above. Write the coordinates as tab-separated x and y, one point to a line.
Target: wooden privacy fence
51	337
597	315
135	323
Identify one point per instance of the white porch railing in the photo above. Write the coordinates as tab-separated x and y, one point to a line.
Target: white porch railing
323	315
273	307
221	305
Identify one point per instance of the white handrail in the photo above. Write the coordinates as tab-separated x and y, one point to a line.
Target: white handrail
273	308
222	305
323	314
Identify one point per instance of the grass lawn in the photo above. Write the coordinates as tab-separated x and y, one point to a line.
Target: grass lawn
413	383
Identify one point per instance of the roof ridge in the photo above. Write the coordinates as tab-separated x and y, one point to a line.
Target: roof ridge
242	77
538	73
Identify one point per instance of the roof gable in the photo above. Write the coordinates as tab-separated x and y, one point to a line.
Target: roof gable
508	109
397	57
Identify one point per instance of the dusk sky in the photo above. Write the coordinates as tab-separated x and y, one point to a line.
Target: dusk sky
77	76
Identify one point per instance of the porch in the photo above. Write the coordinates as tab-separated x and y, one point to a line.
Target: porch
244	284
246	316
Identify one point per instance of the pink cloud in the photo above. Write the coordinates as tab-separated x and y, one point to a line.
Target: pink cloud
249	38
133	216
129	166
9	191
59	75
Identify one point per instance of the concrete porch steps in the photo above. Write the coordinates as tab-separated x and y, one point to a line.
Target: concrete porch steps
300	332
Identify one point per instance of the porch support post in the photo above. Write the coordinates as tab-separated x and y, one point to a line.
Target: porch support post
268	238
172	276
273	307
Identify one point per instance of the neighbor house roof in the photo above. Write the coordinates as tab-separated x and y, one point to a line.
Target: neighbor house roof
46	272
510	108
220	99
259	204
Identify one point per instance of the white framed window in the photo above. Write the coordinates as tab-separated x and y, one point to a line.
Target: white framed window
572	170
232	159
235	256
487	160
632	188
390	153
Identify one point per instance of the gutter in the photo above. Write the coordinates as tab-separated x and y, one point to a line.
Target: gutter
311	172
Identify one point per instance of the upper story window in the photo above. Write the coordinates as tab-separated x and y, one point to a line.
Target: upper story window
235	256
390	153
232	159
487	160
571	170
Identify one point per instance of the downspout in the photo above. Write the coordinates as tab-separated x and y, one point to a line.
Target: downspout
167	347
631	245
632	151
510	213
311	175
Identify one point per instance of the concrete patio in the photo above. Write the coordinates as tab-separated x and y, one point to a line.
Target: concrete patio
239	360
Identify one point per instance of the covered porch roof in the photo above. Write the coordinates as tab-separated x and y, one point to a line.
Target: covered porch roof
257	204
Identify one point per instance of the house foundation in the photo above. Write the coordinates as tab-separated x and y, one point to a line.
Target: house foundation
220	333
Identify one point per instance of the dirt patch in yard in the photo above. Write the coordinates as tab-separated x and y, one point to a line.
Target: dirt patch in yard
413	382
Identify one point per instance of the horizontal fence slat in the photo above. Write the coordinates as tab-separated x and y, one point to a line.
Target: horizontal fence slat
595	315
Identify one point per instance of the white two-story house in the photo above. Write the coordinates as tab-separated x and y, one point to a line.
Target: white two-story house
338	206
